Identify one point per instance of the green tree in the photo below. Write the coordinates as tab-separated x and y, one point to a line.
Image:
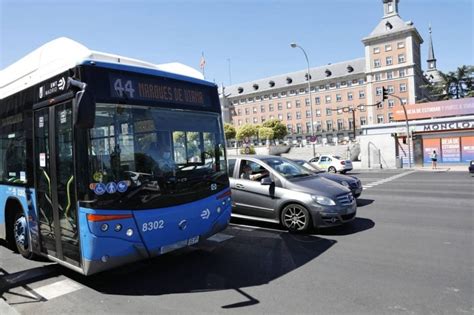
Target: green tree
229	131
246	131
266	133
453	85
279	129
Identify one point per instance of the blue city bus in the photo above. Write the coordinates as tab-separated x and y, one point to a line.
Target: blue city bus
106	160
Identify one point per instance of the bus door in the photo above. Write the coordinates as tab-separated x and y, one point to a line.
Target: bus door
54	182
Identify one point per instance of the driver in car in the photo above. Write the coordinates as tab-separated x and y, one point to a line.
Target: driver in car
247	174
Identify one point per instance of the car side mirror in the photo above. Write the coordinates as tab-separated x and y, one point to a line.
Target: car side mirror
266	181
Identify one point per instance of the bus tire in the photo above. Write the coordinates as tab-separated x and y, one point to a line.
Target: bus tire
21	235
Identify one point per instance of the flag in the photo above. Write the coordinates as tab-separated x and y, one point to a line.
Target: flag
203	62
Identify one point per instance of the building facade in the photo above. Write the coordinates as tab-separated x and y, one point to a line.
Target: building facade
343	95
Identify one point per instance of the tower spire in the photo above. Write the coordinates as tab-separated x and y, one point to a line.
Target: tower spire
431	56
390	8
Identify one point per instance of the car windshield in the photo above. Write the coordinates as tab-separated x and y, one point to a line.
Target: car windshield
287	168
149	157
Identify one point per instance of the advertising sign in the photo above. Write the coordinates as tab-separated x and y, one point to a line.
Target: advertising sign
430	145
451	150
467	148
463	106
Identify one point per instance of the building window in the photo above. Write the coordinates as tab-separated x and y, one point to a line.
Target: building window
388	47
391	103
340	124
389	75
318	100
390	117
329	125
401	58
255	110
379	119
275	95
377	63
318	126
283	93
290	128
308	114
338	98
239	122
247	111
298	104
361	94
328	99
361	108
400	45
255	120
279	106
361	81
292	92
404	101
376	50
378	77
318	113
288	105
303	91
378	91
403	87
270	107
262	108
298	115
298	128
390	89
280	116
363	121
265	97
351	122
308	127
339	111
343	83
389	60
288	116
401	73
328	111
380	105
349	96
306	101
262	119
271	117
239	112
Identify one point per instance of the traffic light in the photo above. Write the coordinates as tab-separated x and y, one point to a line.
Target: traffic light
384	93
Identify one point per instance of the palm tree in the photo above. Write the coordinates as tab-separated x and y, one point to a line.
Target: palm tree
455	84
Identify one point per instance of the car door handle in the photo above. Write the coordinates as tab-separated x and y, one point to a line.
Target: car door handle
240	186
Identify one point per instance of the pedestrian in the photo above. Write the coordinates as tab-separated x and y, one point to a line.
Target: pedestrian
434	159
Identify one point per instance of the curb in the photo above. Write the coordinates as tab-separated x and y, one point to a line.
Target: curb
6	309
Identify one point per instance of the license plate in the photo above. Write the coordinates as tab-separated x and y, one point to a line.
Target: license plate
169	248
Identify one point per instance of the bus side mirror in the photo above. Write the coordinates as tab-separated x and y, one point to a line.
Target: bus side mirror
84	109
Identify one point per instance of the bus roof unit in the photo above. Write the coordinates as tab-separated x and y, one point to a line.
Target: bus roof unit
62	54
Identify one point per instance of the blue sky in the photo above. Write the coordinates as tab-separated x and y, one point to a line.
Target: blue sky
253	35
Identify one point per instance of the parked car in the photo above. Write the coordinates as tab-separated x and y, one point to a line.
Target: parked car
471	167
351	182
332	163
275	189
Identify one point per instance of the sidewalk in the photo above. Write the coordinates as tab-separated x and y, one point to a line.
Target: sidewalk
441	168
6	309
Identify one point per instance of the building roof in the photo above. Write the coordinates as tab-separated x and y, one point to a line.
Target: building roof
62	54
392	25
329	72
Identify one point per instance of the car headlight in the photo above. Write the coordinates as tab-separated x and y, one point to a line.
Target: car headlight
325	201
344	183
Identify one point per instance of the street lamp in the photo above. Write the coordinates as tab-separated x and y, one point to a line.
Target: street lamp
313	137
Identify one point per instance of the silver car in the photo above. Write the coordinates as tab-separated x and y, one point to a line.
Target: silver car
275	189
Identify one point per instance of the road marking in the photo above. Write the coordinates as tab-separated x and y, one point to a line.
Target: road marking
388	179
252	228
57	289
220	237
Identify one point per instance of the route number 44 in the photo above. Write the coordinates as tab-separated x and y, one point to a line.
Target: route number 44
126	88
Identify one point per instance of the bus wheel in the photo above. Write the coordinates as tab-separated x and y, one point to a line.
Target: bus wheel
21	235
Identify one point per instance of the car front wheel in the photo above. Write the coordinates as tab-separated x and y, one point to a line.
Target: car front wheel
332	169
295	218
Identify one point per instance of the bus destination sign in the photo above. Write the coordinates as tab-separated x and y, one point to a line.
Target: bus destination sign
157	90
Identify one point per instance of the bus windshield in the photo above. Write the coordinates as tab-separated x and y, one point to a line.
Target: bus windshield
144	157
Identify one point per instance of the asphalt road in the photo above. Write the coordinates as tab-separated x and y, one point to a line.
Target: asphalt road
409	251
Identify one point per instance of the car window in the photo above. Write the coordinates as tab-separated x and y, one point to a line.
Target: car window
287	168
231	167
329	159
324	159
258	171
316	159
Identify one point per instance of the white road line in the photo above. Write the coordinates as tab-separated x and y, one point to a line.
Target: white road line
59	288
220	237
388	179
252	228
